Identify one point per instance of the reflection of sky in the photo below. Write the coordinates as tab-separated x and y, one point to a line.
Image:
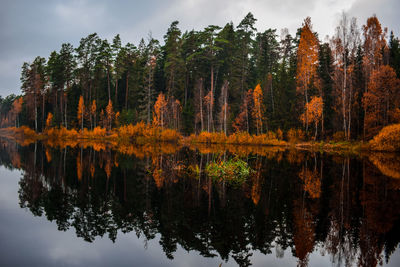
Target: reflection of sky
26	240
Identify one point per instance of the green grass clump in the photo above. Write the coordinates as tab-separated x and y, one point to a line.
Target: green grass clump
235	171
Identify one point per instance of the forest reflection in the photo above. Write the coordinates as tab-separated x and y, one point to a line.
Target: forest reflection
344	207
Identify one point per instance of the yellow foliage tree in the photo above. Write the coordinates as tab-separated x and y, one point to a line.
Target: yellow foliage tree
313	112
93	108
49	120
258	108
109	114
16	109
117	115
159	110
307	59
81	110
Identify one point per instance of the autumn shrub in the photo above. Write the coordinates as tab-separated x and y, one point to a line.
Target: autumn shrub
169	135
257	139
271	135
279	134
98	132
138	130
50	132
218	138
295	135
142	133
203	137
262	139
268	139
72	133
338	136
61	133
239	138
27	132
388	139
208	138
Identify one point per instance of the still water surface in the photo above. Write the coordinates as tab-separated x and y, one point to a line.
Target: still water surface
89	205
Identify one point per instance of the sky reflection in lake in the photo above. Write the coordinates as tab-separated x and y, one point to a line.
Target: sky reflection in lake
66	207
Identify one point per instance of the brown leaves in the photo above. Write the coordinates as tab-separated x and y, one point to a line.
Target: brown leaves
159	110
242	121
49	120
314	110
307	56
109	114
81	110
381	100
258	109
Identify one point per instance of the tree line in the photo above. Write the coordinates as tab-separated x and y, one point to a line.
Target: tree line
227	79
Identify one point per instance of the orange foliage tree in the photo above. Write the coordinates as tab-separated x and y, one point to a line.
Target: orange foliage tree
109	114
160	110
374	44
307	60
382	100
17	108
242	121
93	112
313	112
81	110
103	121
49	120
258	108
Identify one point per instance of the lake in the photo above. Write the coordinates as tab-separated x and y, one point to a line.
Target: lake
86	204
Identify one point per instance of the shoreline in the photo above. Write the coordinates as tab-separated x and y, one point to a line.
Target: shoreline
347	147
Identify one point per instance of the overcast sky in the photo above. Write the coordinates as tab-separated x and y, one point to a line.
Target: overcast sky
35	28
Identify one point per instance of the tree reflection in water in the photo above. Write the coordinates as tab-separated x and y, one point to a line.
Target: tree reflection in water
346	207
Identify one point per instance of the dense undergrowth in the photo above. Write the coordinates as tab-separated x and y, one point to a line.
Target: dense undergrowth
388	139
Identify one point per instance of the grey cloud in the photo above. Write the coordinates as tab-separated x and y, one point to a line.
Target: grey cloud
35	28
387	12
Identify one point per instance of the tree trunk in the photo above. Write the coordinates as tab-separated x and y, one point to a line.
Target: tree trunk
212	98
247	117
82	121
108	84
116	91
316	131
62	105
149	97
201	104
36	128
349	114
43	112
306	95
272	98
127	90
65	112
225	104
344	97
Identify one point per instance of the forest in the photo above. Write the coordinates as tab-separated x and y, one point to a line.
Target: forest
230	79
